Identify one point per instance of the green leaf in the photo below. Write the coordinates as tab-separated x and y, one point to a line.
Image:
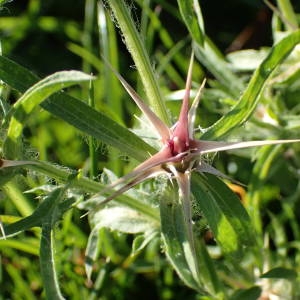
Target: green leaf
124	220
75	112
191	13
31	99
247	103
208	270
54	213
224	212
91	251
48	270
174	234
16	76
252	293
37	218
98	125
280	272
46	215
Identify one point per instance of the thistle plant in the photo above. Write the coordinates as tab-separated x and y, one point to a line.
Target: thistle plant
180	155
217	243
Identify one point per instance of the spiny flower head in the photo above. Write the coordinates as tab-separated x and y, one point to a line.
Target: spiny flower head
180	152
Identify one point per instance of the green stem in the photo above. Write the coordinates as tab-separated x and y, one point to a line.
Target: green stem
87	32
141	58
63	174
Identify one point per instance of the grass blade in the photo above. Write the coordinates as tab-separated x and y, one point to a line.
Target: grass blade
191	14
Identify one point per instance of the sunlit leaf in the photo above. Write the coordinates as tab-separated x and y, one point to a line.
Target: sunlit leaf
224	212
244	108
124	219
75	112
31	99
175	237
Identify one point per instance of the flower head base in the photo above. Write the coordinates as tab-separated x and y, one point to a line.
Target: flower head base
181	152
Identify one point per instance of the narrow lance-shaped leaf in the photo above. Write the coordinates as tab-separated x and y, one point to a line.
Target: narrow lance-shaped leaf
74	112
174	236
280	272
48	270
247	103
37	218
47	263
98	125
31	99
